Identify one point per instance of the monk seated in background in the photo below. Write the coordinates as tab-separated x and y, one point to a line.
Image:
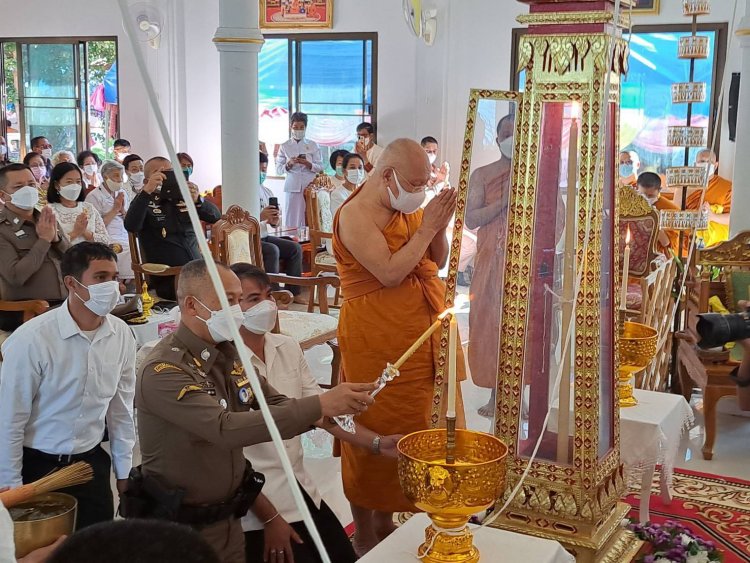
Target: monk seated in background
630	163
388	252
718	199
649	186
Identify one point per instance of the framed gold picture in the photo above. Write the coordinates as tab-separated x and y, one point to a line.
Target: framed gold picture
295	14
646	7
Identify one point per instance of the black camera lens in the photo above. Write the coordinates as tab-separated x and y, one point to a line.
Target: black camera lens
716	329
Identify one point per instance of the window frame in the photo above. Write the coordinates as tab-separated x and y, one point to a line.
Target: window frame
80	47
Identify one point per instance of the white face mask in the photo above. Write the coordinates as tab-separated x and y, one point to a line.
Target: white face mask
356	177
406	202
114	186
711	168
506	147
103	297
136	179
432	157
46	153
25	198
90	169
71	191
261	318
298	134
218	324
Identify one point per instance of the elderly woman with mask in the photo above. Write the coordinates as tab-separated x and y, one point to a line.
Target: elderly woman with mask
112	200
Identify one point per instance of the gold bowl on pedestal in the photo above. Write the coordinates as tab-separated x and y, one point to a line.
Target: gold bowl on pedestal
637	350
451	493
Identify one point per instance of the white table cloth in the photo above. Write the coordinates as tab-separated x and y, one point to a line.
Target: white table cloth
650	434
150	331
402	545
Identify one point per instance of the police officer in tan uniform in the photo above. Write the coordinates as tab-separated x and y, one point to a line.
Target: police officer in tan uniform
196	411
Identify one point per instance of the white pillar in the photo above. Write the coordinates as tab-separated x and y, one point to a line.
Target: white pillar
739	219
238	40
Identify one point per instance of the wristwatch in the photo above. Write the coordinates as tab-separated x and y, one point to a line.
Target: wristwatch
376	445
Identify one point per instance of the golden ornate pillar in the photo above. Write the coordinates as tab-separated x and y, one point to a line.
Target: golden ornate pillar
562	219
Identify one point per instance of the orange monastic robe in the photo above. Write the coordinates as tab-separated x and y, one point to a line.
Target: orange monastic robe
663	204
376	326
719	197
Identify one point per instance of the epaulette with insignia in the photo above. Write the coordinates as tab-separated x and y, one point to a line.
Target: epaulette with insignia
160	367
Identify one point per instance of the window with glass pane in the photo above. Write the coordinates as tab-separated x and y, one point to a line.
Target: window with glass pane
330	79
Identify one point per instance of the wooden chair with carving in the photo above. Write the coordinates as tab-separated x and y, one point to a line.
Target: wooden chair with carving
320	221
141	269
236	238
721	273
651	279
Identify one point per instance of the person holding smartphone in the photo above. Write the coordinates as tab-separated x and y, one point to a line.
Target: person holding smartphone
277	250
158	215
300	159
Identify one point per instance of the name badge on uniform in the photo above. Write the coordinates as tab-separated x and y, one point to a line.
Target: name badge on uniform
156	211
241	382
21	233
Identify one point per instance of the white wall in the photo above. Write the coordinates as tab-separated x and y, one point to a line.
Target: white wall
421	90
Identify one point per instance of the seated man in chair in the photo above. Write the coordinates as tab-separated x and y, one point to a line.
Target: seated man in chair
274	526
277	249
165	233
31	245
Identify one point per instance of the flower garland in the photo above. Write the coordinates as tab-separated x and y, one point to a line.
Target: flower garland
672	542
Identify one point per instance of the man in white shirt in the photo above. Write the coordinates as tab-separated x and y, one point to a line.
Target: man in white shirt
274	526
66	374
301	160
277	249
366	147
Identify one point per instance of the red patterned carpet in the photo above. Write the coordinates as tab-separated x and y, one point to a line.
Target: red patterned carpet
713	507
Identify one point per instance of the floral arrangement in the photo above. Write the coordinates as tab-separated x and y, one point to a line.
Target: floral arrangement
672	542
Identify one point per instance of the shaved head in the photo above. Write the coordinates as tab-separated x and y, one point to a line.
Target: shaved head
706	155
408	158
156	164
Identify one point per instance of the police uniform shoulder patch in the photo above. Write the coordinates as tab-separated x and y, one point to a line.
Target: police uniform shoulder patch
160	367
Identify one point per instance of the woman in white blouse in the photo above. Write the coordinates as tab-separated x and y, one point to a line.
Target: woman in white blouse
111	200
78	218
354	177
89	163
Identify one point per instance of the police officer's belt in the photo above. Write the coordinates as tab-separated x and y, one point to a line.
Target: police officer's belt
146	497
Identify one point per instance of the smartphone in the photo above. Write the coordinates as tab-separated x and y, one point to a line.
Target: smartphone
170	189
273	202
302	156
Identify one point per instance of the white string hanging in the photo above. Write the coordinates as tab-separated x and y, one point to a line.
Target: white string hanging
213	272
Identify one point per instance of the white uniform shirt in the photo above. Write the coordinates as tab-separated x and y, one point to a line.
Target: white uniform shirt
103	201
373	155
57	389
7	546
298	177
287	371
265	195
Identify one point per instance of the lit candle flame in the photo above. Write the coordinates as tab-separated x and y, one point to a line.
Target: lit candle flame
628	236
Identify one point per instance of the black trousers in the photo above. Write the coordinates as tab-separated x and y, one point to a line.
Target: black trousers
276	249
95	502
334	538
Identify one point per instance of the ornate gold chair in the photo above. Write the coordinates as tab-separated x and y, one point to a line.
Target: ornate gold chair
722	271
236	238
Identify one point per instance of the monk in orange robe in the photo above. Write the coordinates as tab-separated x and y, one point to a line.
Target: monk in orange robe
649	186
630	163
388	251
718	198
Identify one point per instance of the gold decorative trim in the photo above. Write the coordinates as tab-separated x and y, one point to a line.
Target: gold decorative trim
688	92
569	18
687	176
238	40
696	7
733	252
567	54
693	47
680	136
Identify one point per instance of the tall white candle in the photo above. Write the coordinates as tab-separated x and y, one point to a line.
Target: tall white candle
625	273
452	353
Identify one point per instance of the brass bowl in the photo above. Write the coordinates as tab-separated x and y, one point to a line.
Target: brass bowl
451	493
637	346
33	534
